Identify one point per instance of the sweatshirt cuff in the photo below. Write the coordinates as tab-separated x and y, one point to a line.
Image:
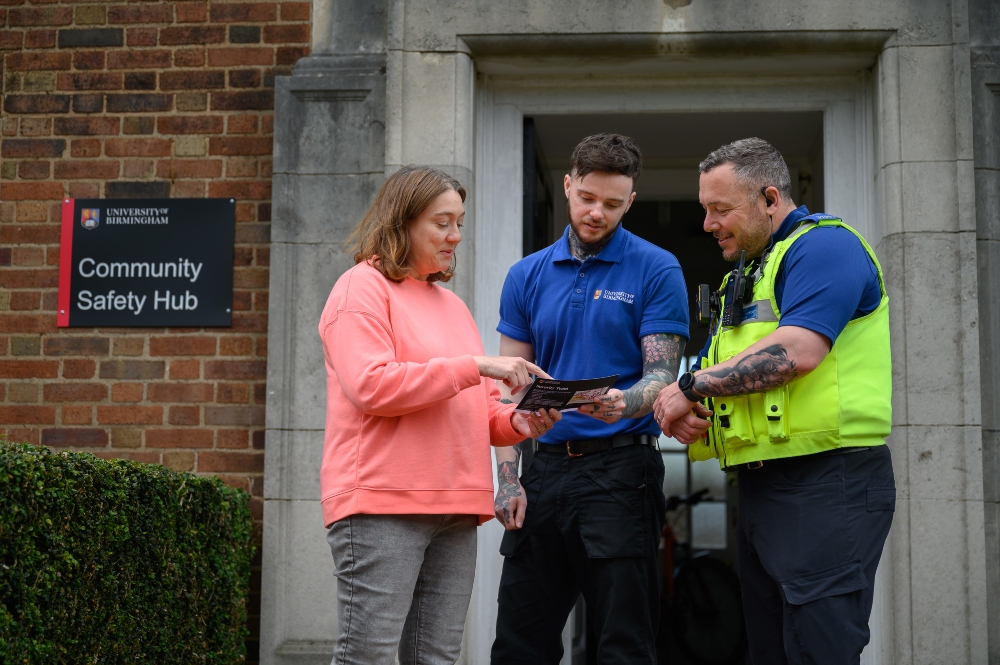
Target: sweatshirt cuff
505	432
466	372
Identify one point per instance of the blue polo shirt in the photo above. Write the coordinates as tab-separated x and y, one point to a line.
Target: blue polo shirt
586	319
826	279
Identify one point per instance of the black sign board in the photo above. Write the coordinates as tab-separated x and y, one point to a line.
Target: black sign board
146	262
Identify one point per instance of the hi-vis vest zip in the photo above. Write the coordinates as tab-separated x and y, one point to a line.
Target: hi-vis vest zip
845	401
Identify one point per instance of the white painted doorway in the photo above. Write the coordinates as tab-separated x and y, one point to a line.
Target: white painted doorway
505	93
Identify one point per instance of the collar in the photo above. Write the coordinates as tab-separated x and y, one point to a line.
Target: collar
789	224
613	252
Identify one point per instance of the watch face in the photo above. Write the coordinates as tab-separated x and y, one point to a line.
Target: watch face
687	378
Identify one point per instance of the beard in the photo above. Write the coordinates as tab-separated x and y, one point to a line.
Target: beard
579	247
753	237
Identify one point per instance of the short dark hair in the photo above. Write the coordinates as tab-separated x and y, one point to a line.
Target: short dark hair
610	153
756	163
381	237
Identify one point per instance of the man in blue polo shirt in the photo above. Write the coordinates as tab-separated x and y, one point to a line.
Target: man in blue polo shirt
586	515
799	393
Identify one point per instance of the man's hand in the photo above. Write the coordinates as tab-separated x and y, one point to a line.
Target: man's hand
691	427
533	425
608	407
679	417
661	355
510	503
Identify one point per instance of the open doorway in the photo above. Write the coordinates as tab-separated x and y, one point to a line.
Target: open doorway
666	212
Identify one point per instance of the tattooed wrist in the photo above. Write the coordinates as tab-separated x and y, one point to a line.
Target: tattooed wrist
640	397
661	356
507	473
758	372
504	400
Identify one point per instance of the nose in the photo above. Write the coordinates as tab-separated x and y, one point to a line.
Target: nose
455	235
709	225
597	213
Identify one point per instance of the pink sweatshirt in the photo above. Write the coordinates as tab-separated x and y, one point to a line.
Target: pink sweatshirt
409	420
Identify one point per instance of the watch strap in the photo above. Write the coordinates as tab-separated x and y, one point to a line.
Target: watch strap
686	385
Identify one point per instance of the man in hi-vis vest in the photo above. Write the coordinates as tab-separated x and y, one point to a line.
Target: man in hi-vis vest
793	392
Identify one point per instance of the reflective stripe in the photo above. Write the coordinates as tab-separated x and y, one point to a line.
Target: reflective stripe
759	311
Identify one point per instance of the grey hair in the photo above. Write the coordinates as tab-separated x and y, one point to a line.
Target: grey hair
756	163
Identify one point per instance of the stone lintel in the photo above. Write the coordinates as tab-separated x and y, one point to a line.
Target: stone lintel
710	44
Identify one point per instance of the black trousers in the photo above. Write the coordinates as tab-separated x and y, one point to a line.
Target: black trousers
809	538
592	527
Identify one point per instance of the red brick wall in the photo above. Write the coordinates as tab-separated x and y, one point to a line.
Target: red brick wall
132	100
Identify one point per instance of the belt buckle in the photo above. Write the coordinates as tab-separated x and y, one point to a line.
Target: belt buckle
571	453
755	465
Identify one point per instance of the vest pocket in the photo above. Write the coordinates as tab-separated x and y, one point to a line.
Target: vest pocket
775	409
733	416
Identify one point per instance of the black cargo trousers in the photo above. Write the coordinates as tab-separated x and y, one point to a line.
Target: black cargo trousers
592	527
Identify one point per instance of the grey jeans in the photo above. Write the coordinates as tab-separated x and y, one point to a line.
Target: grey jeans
403	581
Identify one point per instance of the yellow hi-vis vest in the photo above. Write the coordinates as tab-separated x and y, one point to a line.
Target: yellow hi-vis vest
845	401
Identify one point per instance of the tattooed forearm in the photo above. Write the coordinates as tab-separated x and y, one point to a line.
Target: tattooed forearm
507	468
640	397
510	486
661	355
758	372
507	473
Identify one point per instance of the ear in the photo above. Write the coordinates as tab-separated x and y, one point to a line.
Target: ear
628	204
771	199
566	182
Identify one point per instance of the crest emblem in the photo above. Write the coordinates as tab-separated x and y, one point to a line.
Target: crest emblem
597	294
90	218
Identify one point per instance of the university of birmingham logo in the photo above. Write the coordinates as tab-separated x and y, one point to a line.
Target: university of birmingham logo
90	218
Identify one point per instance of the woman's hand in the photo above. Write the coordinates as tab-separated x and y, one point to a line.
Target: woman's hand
533	425
512	371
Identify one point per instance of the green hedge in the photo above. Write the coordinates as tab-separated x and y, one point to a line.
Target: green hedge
118	562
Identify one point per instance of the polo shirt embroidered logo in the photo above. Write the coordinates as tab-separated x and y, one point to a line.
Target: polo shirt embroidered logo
617	295
597	294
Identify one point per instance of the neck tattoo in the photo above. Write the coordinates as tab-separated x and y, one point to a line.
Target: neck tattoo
584	251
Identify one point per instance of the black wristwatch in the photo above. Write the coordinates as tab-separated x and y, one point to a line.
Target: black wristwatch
686	385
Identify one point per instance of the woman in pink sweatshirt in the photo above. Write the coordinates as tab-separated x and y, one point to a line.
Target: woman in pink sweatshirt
412	408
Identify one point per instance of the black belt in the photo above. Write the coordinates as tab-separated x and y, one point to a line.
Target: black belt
826	453
584	446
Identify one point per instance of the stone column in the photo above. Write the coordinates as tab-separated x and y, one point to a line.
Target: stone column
984	43
329	161
936	554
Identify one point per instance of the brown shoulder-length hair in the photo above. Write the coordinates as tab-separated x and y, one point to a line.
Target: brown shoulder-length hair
381	236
